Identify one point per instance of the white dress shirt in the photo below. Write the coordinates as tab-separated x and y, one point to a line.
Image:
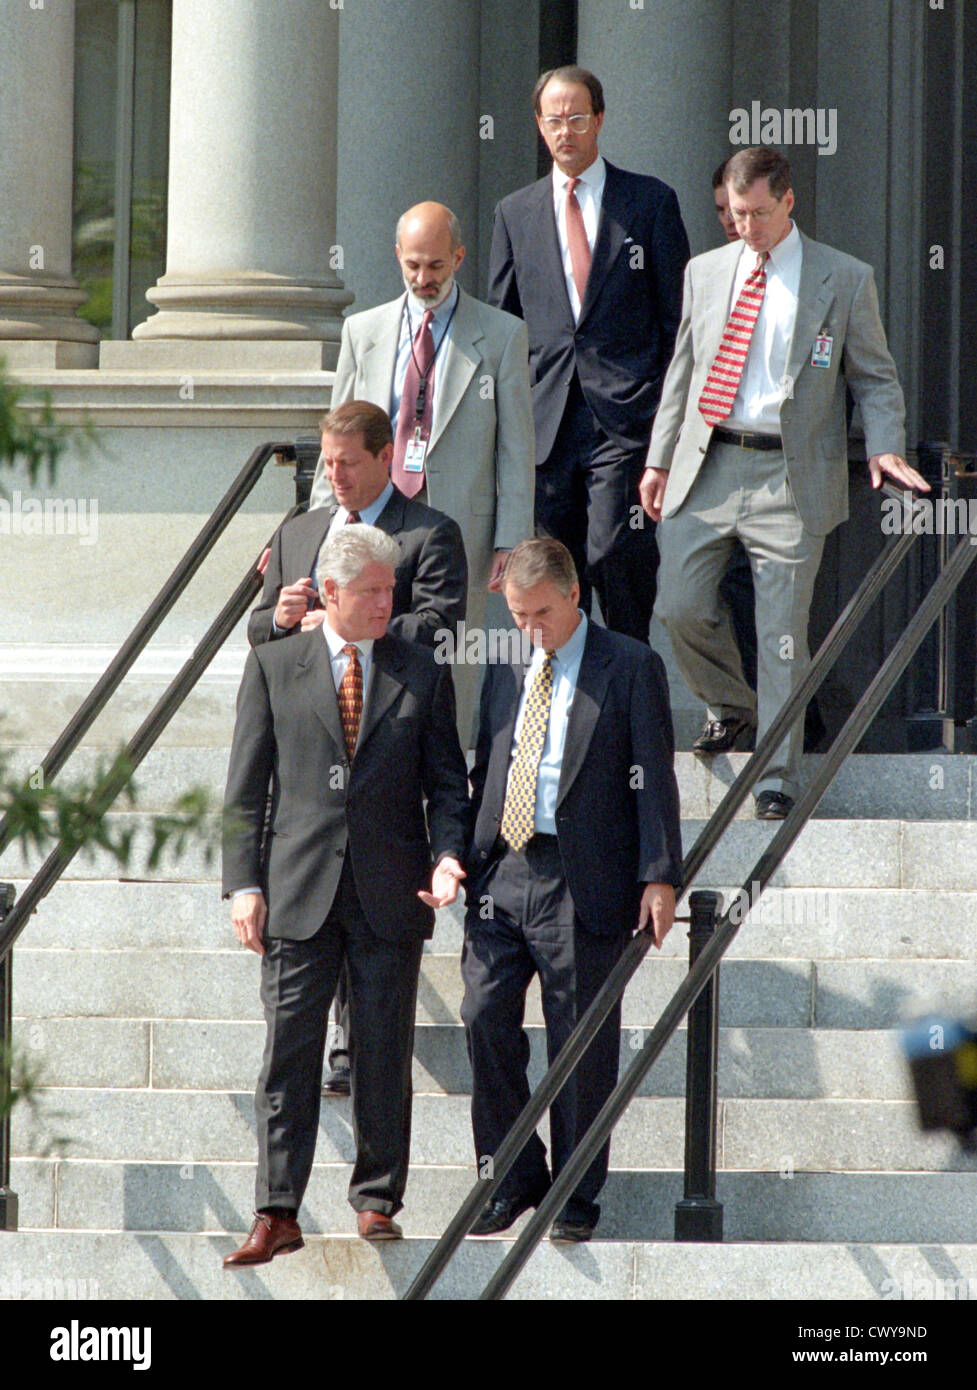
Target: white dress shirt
590	194
756	406
410	322
566	669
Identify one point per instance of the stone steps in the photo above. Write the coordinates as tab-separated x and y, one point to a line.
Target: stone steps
161	1265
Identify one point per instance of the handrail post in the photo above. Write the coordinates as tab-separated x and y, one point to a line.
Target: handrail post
8	1198
307	451
698	1216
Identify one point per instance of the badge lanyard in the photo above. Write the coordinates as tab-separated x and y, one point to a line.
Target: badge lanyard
423	377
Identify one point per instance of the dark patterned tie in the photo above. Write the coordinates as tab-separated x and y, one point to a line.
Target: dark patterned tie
352	519
519	814
723	380
350	696
419	376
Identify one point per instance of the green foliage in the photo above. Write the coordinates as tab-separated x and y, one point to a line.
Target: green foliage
25	1088
30	436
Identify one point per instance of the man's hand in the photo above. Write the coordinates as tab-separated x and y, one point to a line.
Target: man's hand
651	490
498	565
657	911
249	912
444	883
293	602
313	619
263	562
893	466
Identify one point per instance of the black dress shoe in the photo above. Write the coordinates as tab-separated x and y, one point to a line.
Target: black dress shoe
571	1232
773	805
723	735
336	1082
500	1214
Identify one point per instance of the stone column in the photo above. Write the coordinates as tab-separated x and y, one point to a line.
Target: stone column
668	86
252	186
38	296
412	129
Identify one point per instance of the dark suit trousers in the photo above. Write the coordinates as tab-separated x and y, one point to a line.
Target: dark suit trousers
298	979
587	497
533	929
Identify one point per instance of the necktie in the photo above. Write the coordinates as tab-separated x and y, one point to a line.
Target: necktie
350	695
418	379
519	813
352	519
718	394
577	240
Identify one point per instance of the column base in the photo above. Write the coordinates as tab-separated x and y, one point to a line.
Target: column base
254	306
36	309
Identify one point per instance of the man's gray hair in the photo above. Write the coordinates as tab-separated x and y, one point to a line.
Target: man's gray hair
349	550
454	228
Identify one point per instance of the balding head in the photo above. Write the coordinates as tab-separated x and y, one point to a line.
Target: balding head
429	250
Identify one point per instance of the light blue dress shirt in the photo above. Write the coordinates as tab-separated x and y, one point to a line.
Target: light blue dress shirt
566	669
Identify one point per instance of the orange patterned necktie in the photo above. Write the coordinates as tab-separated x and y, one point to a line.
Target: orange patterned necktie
577	240
350	696
723	381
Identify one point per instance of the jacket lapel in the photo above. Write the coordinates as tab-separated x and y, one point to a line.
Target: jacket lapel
386	685
547	245
611	236
814	296
457	364
314	665
378	354
592	682
715	299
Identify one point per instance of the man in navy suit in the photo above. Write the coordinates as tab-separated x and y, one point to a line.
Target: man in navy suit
575	845
592	257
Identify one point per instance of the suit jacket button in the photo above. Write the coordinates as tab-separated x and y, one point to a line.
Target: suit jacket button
340	853
483	854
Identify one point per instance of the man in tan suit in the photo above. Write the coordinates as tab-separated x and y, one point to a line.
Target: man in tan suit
755	445
464	442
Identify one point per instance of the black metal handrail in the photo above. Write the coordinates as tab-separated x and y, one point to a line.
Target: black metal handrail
120	665
685	996
883	567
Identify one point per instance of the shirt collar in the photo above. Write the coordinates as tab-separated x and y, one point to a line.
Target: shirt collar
335	643
593	176
572	648
368	515
782	254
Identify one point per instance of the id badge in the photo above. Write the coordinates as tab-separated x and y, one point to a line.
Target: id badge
414	455
821	356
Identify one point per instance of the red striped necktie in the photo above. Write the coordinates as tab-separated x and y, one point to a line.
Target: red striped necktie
723	380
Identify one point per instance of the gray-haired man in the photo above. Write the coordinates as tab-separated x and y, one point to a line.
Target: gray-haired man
351	729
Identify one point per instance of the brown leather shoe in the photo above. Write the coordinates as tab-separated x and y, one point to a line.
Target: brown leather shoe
270	1236
373	1225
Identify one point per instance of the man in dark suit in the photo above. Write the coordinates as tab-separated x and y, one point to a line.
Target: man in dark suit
576	844
351	729
592	258
431	572
430	589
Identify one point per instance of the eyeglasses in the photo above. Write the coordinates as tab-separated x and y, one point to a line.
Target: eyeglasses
757	214
554	124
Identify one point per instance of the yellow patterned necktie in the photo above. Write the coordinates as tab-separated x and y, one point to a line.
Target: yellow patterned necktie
519	815
350	696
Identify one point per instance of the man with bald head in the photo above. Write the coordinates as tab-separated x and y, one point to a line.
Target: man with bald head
453	375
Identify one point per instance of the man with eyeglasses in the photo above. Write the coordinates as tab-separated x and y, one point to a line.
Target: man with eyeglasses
751	441
592	256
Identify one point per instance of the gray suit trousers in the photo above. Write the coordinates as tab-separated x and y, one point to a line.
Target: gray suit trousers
741	493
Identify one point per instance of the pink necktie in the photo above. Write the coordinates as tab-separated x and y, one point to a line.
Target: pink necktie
411	425
577	240
718	394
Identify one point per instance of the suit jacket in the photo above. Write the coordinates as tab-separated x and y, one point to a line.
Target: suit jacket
623	340
479	465
430	579
288	735
617	816
836	296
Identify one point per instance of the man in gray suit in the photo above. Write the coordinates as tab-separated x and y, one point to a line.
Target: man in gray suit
453	375
750	440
